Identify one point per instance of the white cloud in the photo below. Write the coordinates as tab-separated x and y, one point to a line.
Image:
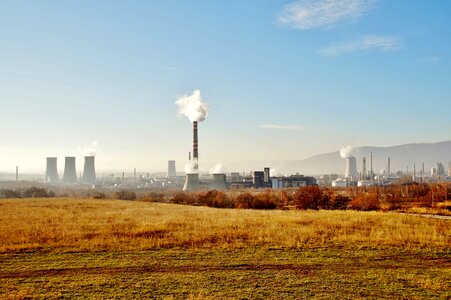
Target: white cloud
285	127
431	59
307	14
367	42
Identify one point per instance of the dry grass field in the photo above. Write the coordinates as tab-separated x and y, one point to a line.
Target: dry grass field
52	248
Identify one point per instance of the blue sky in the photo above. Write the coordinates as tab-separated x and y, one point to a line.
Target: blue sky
284	79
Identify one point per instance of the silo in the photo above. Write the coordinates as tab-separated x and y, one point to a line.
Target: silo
51	171
89	170
191	182
219	182
70	174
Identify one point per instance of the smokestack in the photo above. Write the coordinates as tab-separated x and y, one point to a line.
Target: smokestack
388	166
364	167
351	167
371	164
17	173
171	168
51	171
195	145
89	170
191	182
219	182
189	155
70	174
414	173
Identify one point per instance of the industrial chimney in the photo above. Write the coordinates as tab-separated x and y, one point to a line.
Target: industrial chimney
171	168
195	146
351	167
191	182
51	171
70	175
89	171
219	182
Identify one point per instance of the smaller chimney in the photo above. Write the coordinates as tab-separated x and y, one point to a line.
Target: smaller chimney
17	173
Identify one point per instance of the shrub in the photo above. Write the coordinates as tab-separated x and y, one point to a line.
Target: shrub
35	192
308	197
182	198
99	195
244	200
365	202
339	201
5	193
125	195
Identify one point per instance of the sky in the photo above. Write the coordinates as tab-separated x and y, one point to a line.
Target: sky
283	79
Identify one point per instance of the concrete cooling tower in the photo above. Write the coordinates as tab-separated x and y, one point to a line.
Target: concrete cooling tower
219	182
171	168
51	171
70	174
351	167
89	170
191	182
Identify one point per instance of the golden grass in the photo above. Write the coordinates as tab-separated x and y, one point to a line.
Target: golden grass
96	225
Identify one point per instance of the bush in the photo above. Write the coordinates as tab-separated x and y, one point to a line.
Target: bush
338	201
35	192
99	195
308	197
182	198
365	202
5	193
125	195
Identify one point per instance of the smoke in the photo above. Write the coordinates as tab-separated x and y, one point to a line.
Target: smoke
347	151
192	107
217	169
191	167
90	149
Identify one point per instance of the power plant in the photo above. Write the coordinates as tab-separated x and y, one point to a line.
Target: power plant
51	171
89	171
70	174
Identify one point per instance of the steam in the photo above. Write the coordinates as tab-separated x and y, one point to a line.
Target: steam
192	167
192	107
347	151
90	149
217	169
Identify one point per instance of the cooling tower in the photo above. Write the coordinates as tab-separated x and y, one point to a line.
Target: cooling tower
171	168
191	182
70	175
351	167
89	171
51	171
219	182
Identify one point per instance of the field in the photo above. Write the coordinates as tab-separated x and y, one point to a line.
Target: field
52	248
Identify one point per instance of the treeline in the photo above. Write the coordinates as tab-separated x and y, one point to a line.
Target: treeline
314	197
32	192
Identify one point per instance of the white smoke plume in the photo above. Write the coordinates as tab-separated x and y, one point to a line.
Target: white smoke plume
90	149
347	151
192	107
217	169
191	167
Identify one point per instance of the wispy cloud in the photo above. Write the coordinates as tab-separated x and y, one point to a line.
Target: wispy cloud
431	59
169	68
307	14
284	127
365	43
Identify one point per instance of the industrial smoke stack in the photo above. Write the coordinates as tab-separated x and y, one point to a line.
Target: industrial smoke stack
171	168
351	167
219	182
70	175
51	171
191	182
89	170
195	146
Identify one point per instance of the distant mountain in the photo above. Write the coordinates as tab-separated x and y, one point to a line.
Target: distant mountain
401	157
